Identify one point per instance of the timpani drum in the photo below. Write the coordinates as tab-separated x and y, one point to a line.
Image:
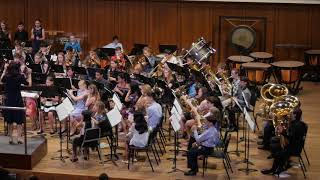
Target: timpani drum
289	73
257	72
263	57
235	62
312	57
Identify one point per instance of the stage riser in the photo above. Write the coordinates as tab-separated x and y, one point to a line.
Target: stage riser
22	161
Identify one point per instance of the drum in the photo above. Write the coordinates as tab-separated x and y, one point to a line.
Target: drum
289	73
257	72
235	62
263	57
312	57
200	50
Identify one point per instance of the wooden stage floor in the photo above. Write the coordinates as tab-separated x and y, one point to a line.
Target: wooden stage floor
310	98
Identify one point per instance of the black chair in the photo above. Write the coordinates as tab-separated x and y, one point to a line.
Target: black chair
106	131
220	154
298	155
147	148
91	139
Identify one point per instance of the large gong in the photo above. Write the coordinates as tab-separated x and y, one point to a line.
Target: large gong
243	38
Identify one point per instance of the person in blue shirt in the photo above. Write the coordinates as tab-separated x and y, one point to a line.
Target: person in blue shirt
74	44
205	142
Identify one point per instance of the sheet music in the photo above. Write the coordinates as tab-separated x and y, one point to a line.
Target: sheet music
117	101
178	106
236	101
64	109
247	116
114	117
174	112
245	100
26	94
175	123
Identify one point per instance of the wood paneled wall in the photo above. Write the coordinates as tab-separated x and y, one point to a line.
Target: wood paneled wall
157	22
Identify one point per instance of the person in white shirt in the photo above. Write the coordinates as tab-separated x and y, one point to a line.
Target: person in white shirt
169	57
115	43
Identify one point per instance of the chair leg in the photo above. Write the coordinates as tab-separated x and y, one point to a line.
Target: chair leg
305	153
82	155
149	160
301	166
224	164
156	150
163	145
154	154
304	166
157	142
203	165
101	155
129	154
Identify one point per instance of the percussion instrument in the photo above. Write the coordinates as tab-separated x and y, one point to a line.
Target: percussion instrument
243	38
289	73
235	62
200	50
263	57
312	57
256	72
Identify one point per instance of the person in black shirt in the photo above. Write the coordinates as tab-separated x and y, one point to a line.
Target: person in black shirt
12	79
49	100
21	34
5	36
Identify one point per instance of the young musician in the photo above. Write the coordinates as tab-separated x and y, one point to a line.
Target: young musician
122	86
138	133
18	49
92	60
70	57
49	99
99	77
169	57
37	36
80	104
93	96
86	123
74	44
119	57
150	62
99	110
21	34
115	43
153	109
205	142
39	59
12	79
5	36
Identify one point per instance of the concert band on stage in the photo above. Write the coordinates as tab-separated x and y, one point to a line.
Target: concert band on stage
146	85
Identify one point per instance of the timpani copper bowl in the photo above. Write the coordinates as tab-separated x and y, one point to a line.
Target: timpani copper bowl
257	72
312	57
263	57
289	73
235	62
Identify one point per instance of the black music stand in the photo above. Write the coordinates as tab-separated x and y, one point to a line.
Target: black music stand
105	52
64	83
179	69
57	68
38	78
79	70
137	49
145	80
6	54
171	47
36	68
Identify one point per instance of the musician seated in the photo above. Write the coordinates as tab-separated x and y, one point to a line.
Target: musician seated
151	60
93	96
70	73
282	151
18	49
74	44
49	99
113	74
119	57
79	106
99	110
40	59
86	123
123	86
92	60
138	134
60	61
242	96
99	77
169	57
153	110
115	43
204	143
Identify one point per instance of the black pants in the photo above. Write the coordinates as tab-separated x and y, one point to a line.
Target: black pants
193	154
268	133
